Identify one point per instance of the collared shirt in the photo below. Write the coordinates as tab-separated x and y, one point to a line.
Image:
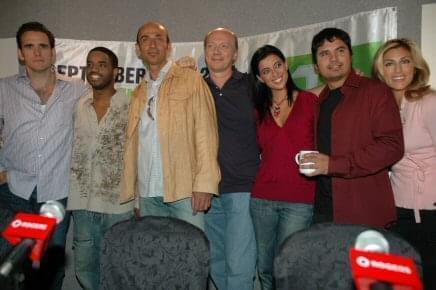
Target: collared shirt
37	138
238	153
150	173
97	159
366	138
187	133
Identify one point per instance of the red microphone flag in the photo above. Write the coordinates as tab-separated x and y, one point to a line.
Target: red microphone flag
31	226
370	267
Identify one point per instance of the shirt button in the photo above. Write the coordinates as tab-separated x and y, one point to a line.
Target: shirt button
221	94
39	155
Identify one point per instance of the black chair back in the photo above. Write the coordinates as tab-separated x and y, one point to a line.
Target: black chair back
154	253
318	257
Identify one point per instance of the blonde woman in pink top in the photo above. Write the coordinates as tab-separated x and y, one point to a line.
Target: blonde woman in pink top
400	64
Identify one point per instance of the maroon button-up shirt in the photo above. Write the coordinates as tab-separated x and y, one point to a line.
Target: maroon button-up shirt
366	138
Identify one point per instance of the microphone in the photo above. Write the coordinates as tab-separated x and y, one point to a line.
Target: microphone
374	268
371	241
31	233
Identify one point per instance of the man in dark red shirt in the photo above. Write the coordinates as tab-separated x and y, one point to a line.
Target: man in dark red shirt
358	134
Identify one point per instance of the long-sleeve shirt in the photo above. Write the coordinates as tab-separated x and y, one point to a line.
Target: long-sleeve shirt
366	139
150	173
414	176
278	177
37	138
188	136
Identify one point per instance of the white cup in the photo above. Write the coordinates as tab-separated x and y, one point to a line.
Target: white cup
299	156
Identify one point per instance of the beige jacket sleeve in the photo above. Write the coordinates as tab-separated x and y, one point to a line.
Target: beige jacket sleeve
207	175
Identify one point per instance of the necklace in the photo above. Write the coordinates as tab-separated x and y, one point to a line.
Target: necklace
276	107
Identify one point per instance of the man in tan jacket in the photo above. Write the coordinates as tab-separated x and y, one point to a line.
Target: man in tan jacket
170	161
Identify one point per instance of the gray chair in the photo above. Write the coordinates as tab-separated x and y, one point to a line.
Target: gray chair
318	257
154	253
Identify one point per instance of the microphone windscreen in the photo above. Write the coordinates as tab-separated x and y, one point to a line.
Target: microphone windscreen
53	209
371	241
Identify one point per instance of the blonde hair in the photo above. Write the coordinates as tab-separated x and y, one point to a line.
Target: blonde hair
419	85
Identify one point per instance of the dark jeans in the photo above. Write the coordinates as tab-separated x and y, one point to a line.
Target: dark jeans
52	269
422	236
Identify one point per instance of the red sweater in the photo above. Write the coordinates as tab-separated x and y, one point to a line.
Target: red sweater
278	178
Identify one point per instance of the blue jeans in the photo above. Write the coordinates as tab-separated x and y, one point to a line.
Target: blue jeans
273	222
181	209
89	230
229	228
52	271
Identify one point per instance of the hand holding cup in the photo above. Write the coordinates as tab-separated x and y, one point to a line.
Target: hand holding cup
305	168
312	163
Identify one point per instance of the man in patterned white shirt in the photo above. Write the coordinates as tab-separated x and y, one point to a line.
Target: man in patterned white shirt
100	121
36	110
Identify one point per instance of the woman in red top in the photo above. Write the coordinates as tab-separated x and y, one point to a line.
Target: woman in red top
282	198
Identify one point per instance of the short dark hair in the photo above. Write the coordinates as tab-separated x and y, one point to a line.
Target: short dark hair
34	26
112	56
329	34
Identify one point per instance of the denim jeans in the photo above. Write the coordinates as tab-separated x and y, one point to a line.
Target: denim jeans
89	229
230	231
180	209
273	222
52	269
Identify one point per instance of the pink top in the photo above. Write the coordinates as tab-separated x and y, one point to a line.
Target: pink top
278	177
414	176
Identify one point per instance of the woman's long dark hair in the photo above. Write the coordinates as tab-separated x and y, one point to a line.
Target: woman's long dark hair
263	94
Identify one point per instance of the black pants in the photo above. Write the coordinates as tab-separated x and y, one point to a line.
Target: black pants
422	236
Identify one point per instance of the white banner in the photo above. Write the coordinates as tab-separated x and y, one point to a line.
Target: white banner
367	30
